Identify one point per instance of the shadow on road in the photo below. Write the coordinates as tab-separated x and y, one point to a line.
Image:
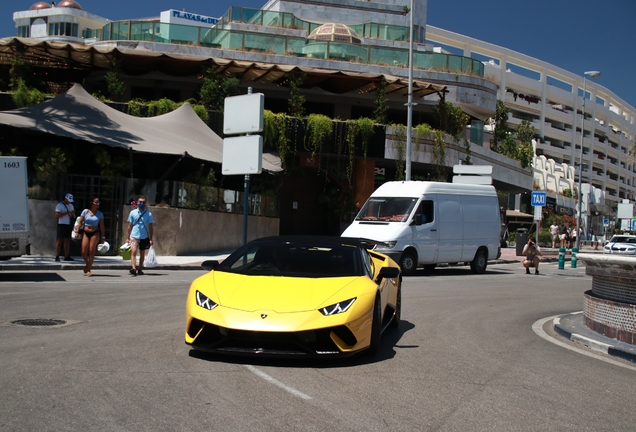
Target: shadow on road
31	277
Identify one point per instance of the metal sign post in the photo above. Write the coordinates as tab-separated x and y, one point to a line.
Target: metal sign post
243	154
538	200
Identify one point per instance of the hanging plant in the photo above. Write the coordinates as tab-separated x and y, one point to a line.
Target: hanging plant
275	133
381	103
365	128
319	129
422	132
353	129
399	145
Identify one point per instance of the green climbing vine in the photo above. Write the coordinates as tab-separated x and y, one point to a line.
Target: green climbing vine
319	129
275	133
439	156
399	145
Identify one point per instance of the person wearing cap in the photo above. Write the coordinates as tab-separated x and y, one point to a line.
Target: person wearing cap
65	214
140	232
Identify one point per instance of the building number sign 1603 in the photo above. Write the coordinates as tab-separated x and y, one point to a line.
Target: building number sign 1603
12	164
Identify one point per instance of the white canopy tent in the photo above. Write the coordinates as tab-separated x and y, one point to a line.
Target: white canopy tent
78	115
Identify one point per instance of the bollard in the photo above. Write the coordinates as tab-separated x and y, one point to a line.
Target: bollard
561	258
573	262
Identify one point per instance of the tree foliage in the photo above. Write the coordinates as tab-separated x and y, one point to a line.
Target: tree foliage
51	162
381	104
501	131
516	145
216	88
296	103
114	83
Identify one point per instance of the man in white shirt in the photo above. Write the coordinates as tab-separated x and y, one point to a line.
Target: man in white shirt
554	233
65	214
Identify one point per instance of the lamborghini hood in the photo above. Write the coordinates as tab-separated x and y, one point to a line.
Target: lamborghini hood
276	293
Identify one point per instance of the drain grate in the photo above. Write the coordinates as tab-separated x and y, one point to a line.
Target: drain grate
38	322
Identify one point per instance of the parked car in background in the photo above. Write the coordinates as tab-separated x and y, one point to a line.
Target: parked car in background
621	244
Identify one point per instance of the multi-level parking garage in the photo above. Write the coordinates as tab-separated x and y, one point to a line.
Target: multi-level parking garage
552	99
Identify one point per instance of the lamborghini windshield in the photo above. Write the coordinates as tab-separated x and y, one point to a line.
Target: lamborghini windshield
295	259
390	209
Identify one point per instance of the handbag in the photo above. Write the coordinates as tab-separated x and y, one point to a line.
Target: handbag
78	229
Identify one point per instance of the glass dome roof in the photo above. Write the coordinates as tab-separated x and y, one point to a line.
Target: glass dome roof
335	33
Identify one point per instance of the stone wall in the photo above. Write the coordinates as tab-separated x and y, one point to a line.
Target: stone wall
177	231
609	308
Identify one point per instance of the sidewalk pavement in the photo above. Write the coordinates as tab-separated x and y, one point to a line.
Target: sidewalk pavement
108	262
193	262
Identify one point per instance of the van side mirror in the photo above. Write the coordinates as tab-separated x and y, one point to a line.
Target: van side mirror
418	219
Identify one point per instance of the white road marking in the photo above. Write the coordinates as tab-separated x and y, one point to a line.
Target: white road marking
537	327
277	383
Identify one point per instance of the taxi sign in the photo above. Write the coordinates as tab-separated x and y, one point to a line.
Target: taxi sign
538	199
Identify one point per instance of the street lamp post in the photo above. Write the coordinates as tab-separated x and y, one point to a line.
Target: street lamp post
591	74
409	103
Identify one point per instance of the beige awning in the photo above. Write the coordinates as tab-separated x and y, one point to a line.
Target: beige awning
78	115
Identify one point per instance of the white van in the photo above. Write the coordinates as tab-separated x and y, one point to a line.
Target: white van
427	223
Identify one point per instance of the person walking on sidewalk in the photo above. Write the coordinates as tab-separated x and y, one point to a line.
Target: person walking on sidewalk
65	214
532	252
554	233
94	233
140	232
563	234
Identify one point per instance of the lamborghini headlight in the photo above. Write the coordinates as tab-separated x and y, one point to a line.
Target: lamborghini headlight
205	302
337	308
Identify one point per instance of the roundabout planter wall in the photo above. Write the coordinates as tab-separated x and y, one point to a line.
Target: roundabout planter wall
610	306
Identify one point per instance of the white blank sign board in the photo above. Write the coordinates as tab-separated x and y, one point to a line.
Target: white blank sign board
243	114
242	155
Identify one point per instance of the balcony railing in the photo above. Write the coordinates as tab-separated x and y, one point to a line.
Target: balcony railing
239	40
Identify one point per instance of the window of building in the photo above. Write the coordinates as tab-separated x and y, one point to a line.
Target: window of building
63	29
24	31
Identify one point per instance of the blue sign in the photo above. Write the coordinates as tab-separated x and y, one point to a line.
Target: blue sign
633	224
538	199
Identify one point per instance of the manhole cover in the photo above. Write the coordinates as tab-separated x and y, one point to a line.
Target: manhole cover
39	322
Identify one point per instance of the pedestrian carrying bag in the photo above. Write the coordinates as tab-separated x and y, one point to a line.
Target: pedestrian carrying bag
151	259
78	229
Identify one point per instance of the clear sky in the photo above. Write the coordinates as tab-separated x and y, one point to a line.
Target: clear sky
576	35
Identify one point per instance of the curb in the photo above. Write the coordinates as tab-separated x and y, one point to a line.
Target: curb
567	325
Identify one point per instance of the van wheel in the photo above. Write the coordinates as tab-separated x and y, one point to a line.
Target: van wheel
408	262
478	265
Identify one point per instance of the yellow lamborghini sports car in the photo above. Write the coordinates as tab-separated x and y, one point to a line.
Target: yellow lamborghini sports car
295	296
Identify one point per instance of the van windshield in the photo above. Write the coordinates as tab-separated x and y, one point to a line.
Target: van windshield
390	209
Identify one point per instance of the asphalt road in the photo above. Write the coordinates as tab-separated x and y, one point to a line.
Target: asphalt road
464	358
